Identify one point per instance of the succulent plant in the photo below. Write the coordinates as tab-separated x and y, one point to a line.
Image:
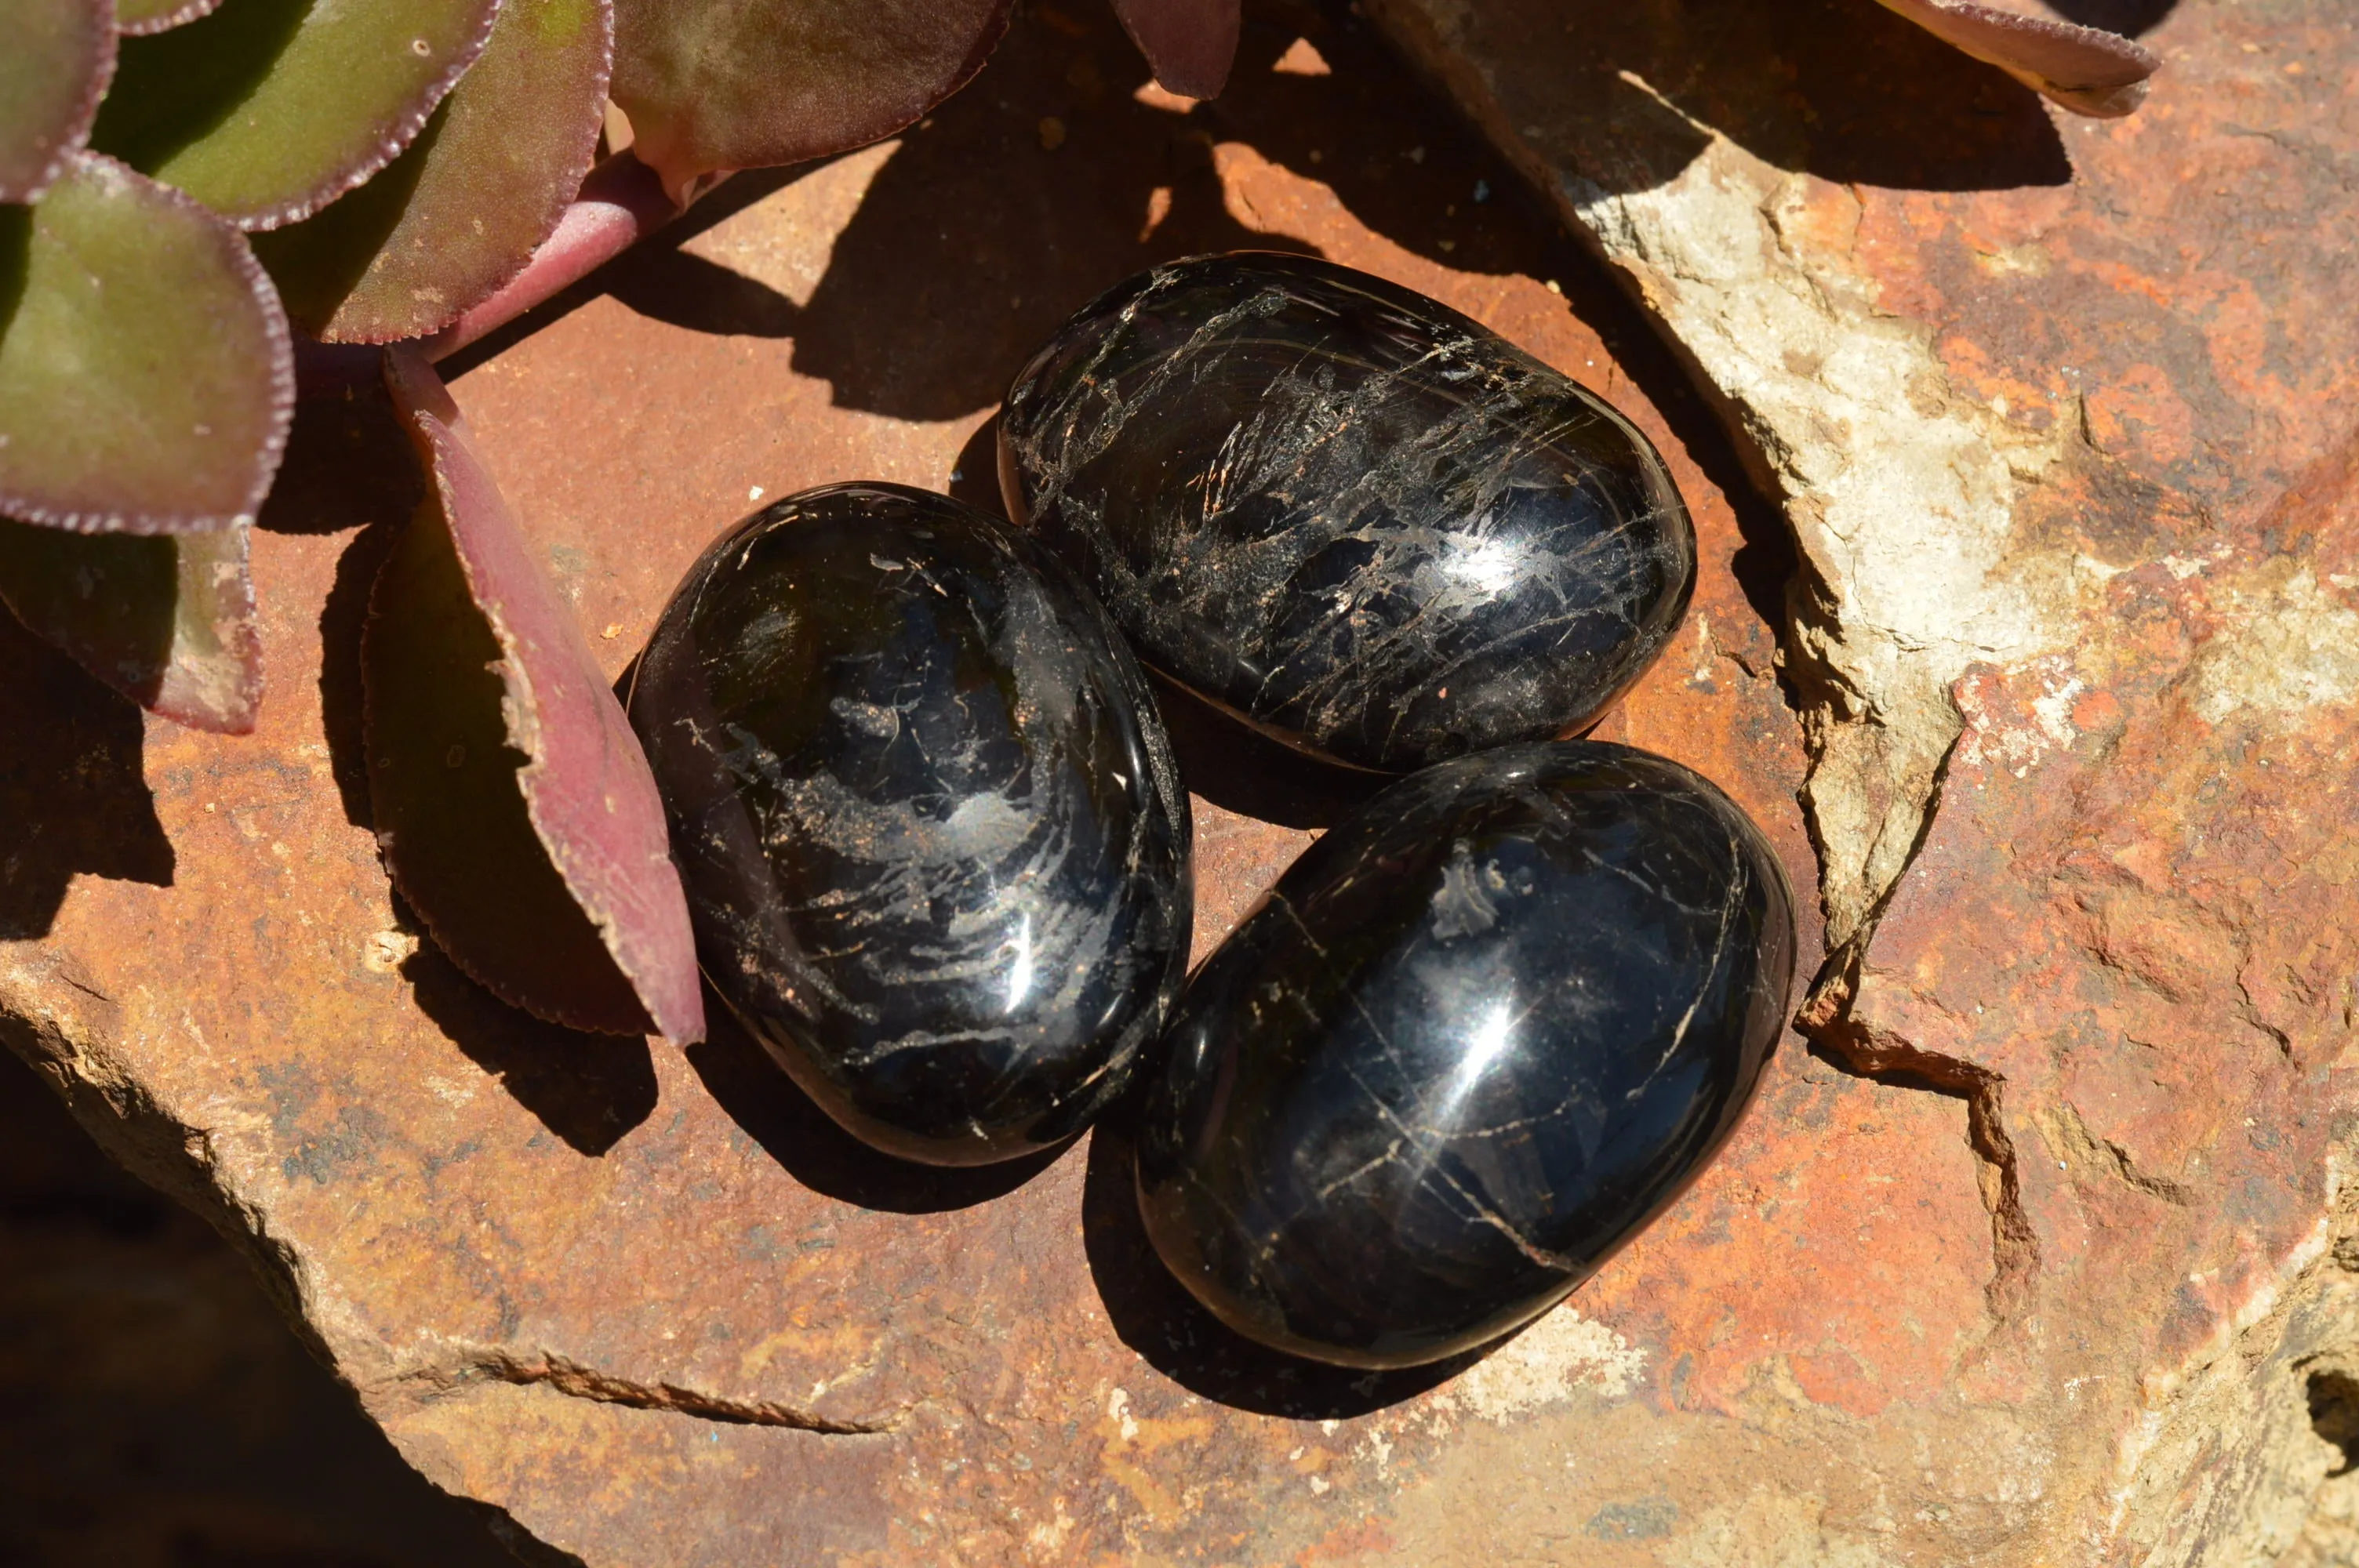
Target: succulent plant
201	200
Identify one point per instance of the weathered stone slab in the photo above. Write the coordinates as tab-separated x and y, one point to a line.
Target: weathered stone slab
649	1302
2001	1286
2058	413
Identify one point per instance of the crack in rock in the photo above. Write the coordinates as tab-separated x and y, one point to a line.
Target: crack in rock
1901	495
577	1381
2082	1148
1828	1021
179	1159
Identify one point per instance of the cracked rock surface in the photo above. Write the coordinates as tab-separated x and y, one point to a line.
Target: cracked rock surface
650	1304
2056	415
2038	1250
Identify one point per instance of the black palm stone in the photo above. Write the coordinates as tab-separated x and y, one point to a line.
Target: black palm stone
933	840
1479	1036
1345	511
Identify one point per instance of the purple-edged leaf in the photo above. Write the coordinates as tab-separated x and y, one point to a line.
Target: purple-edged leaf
55	58
268	109
516	812
451	221
168	621
2086	70
138	17
713	85
146	377
1189	44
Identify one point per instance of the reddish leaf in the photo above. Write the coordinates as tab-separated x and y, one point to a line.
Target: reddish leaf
2086	70
167	622
268	109
1189	44
517	811
57	59
456	217
140	18
146	376
714	85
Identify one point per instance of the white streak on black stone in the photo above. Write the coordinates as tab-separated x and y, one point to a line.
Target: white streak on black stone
1477	1037
1346	512
932	836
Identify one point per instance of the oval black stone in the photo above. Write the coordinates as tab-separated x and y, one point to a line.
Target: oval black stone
934	844
1346	512
1480	1034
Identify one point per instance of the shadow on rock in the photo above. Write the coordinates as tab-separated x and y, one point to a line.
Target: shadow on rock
1842	88
73	799
974	477
650	279
343	618
1240	769
589	1089
349	466
1155	1317
158	1410
769	1109
1059	170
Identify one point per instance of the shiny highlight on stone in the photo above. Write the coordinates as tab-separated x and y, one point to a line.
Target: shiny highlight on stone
1472	1042
933	839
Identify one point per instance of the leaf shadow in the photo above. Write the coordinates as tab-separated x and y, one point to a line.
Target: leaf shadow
686	290
589	1089
1061	170
792	1129
922	319
1154	1314
74	799
349	467
735	194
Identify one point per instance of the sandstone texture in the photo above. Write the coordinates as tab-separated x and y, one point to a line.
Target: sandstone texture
2040	670
2056	412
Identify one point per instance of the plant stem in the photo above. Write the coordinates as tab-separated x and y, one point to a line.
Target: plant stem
622	202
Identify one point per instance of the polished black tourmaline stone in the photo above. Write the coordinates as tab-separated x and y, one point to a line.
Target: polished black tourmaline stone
1345	511
933	840
1476	1037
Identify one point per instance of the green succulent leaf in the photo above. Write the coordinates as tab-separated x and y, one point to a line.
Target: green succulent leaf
55	58
459	214
167	622
714	85
147	378
141	16
268	109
